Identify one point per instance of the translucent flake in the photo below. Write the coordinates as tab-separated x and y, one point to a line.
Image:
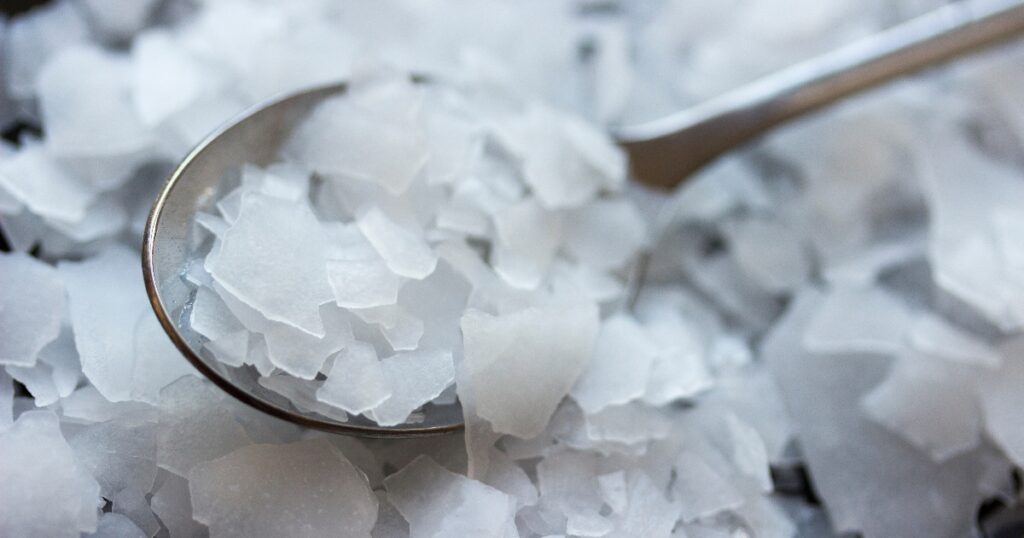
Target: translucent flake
401	329
545	349
594	147
302	395
294	61
438	301
105	217
258	358
455	143
600	286
362	456
439	503
165	77
929	404
196	274
749	453
33	38
34	178
111	525
31	308
118	19
648	512
620	368
265	490
569	491
613	490
232	348
363	283
863	268
415	378
280	242
105	299
872	481
157	363
336	137
700	490
84	98
133	504
45	492
466	220
87	405
356	381
853	319
348	243
770	252
679	369
230	205
404	252
565	161
627	424
6	401
23	231
390	523
210	317
282	180
172	503
262	428
605	234
528	237
294	351
9	205
505	475
1003	402
198	120
120	454
932	335
38	380
963	239
211	223
195	425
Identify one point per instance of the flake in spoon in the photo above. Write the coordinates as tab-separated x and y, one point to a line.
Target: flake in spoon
404	251
415	378
356	381
281	242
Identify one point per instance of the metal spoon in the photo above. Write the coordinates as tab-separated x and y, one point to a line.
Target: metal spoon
663	153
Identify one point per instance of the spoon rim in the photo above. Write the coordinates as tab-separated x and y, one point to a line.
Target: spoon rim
170	328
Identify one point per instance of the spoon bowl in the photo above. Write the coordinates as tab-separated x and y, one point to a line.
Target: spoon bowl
171	239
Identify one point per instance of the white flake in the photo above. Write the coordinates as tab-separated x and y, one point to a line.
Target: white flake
45	491
356	381
305	488
440	504
404	252
31	308
545	349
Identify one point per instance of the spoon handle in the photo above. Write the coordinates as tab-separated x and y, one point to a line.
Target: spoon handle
665	151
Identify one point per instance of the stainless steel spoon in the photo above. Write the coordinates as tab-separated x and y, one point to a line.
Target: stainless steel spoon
663	153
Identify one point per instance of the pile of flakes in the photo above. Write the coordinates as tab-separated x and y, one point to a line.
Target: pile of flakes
846	293
412	227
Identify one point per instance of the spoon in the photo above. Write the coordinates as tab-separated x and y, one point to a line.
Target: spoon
663	153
